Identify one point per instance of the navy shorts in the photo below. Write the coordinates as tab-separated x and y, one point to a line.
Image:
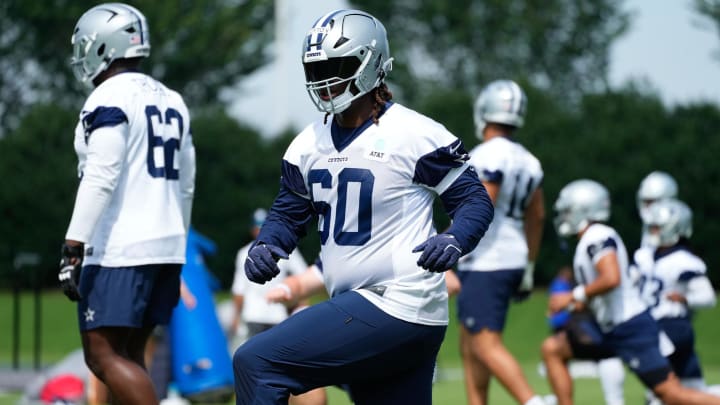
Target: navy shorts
635	341
344	341
684	359
485	297
134	297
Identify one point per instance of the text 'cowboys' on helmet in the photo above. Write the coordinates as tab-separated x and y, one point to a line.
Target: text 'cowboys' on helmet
104	33
654	187
667	221
345	55
500	102
580	203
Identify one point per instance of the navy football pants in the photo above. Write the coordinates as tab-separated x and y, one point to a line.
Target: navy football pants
346	341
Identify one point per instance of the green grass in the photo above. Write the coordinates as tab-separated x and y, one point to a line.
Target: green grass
525	331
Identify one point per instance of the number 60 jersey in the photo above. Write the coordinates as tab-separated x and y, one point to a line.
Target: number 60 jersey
374	197
137	173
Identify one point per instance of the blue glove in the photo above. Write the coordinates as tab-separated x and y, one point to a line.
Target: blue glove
440	253
71	258
261	263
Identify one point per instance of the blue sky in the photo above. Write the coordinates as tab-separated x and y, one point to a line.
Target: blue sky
668	44
672	46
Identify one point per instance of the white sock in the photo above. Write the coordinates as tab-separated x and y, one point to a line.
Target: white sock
612	376
536	400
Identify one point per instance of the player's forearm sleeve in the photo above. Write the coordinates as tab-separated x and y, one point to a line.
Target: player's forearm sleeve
105	159
469	205
700	293
287	220
187	179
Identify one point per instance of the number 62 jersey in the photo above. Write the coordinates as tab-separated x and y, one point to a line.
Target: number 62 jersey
137	173
374	198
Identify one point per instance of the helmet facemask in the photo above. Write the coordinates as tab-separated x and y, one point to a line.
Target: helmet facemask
345	56
332	83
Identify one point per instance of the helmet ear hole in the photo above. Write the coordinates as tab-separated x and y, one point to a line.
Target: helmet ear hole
101	50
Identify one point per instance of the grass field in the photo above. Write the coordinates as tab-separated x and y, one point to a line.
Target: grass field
525	331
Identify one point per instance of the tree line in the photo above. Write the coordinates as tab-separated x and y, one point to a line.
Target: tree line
557	50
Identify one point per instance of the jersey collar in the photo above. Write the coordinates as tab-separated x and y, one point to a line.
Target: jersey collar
343	137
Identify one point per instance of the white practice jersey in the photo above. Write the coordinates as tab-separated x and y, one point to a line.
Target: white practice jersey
137	173
256	308
519	174
621	303
376	206
675	271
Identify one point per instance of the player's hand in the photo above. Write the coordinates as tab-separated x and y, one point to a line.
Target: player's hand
526	285
439	253
71	258
561	301
280	294
261	263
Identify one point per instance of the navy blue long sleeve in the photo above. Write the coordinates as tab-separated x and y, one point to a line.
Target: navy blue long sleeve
287	220
470	207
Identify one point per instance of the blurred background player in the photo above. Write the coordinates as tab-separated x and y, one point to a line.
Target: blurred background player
623	325
251	307
610	371
125	244
369	171
298	287
673	282
501	266
258	314
656	186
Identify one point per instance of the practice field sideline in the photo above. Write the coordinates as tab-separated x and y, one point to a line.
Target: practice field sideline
526	329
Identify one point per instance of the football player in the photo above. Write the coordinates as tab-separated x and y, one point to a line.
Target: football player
125	245
673	282
501	266
369	171
623	325
656	186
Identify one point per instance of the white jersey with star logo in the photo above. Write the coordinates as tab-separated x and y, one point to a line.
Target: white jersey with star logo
137	170
519	174
373	213
621	303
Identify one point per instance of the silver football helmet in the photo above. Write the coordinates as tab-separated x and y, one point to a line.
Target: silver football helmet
502	102
667	221
654	187
580	203
104	33
345	55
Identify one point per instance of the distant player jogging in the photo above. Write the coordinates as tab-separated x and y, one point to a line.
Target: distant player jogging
126	241
369	171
